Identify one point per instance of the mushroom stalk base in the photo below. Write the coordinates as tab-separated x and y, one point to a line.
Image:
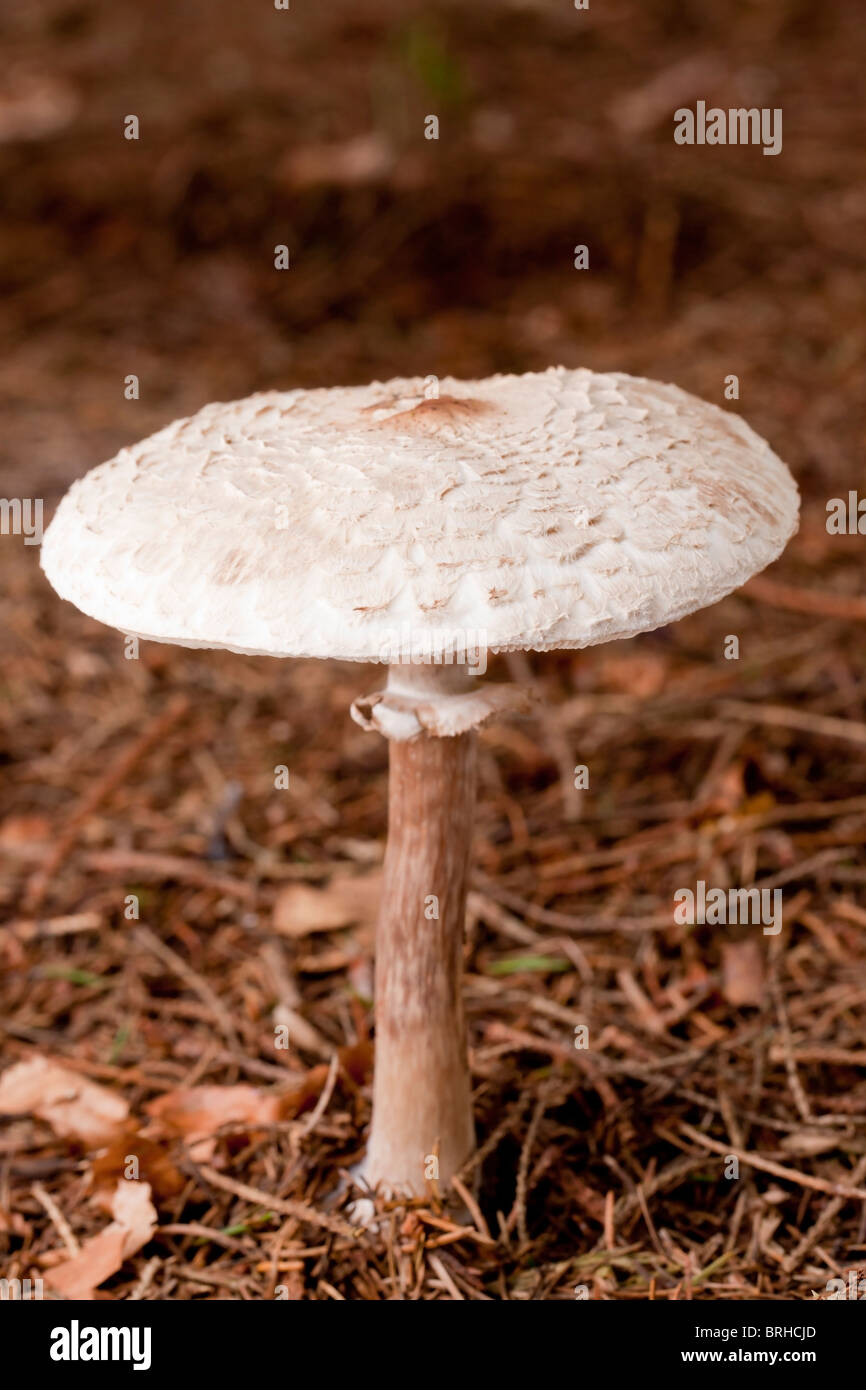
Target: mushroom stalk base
422	1118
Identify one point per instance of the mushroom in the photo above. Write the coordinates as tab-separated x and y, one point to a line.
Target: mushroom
520	513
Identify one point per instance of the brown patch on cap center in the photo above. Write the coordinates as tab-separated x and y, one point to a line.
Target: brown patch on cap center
429	415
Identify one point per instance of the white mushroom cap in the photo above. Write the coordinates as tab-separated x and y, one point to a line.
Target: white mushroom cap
550	510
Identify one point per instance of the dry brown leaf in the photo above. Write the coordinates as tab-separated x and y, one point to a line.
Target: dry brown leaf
97	1260
74	1107
356	1065
300	909
101	1256
197	1112
155	1167
134	1211
743	973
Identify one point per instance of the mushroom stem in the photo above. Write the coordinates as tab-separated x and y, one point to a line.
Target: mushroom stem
421	1092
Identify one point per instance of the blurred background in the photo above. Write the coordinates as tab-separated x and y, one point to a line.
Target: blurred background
410	256
154	777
